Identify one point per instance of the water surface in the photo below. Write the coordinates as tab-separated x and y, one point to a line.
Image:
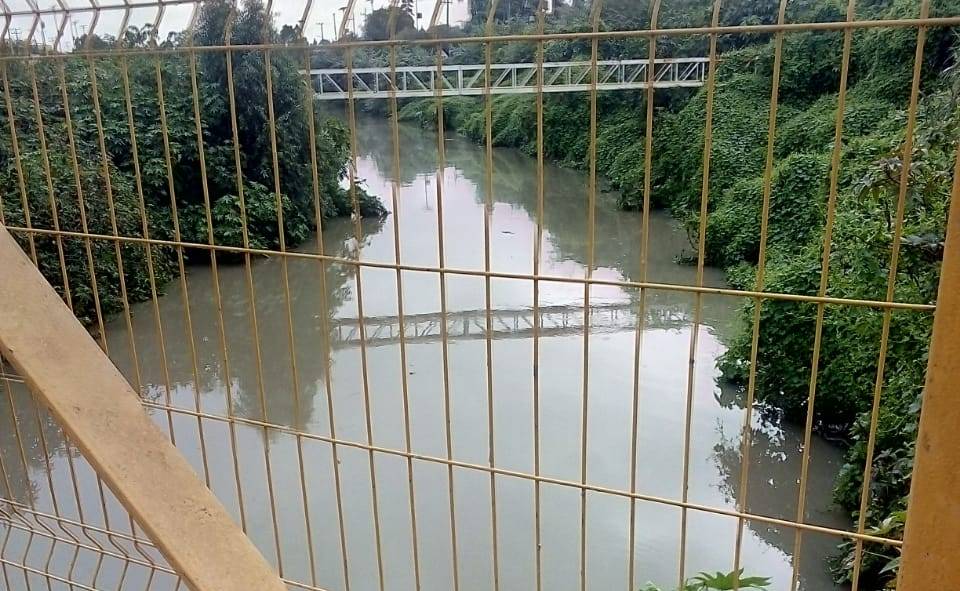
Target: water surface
327	295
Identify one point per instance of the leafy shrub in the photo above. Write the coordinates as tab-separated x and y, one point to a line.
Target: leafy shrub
797	201
167	194
719	582
867	202
620	147
739	138
813	129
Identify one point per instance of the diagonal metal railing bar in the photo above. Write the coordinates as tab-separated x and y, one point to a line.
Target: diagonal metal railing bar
98	409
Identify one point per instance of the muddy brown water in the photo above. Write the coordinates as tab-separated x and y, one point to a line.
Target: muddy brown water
247	378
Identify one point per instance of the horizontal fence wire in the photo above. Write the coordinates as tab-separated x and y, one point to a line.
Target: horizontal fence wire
467	272
61	527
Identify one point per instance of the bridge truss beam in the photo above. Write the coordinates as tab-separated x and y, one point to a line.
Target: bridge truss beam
469	79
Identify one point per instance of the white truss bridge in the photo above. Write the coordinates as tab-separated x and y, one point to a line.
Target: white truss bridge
504	323
470	79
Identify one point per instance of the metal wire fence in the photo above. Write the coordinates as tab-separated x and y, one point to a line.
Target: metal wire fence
62	528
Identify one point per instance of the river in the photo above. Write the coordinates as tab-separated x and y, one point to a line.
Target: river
718	412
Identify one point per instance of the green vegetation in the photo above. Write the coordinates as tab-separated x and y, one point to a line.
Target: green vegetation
719	582
137	208
871	163
377	25
96	184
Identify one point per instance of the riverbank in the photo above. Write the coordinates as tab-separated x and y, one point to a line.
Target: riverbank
862	232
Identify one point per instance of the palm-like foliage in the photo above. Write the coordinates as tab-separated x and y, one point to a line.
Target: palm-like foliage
719	581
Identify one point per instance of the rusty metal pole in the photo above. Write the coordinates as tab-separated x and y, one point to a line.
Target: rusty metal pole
932	536
102	415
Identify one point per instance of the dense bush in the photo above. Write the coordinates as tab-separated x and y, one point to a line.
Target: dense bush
868	188
127	208
798	191
95	213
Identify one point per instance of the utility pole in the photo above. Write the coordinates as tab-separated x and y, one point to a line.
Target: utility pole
335	29
322	37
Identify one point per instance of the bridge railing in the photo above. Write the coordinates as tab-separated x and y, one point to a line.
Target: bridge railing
94	496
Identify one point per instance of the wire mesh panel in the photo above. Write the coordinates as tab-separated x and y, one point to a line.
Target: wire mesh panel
403	359
67	530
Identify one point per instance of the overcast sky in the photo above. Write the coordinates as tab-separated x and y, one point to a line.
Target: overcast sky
323	11
176	17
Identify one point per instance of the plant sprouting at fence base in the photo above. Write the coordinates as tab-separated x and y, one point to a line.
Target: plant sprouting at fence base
718	581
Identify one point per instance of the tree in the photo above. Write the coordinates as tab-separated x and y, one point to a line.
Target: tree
506	9
289	34
291	107
377	25
90	274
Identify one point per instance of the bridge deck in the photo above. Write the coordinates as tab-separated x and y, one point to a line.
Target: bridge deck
521	78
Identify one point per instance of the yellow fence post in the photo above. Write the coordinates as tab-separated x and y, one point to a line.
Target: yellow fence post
101	413
932	536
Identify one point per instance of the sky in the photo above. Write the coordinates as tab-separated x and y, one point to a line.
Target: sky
320	21
323	11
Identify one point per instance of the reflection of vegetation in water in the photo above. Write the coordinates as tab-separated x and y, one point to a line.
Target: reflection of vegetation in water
312	351
27	434
516	184
375	140
285	406
773	469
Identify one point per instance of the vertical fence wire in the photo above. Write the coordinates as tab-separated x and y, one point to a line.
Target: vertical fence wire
441	260
247	262
488	303
324	324
747	433
596	9
642	300
358	236
906	160
537	250
395	190
301	464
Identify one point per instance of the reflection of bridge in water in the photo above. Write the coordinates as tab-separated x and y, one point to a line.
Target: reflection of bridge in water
505	323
